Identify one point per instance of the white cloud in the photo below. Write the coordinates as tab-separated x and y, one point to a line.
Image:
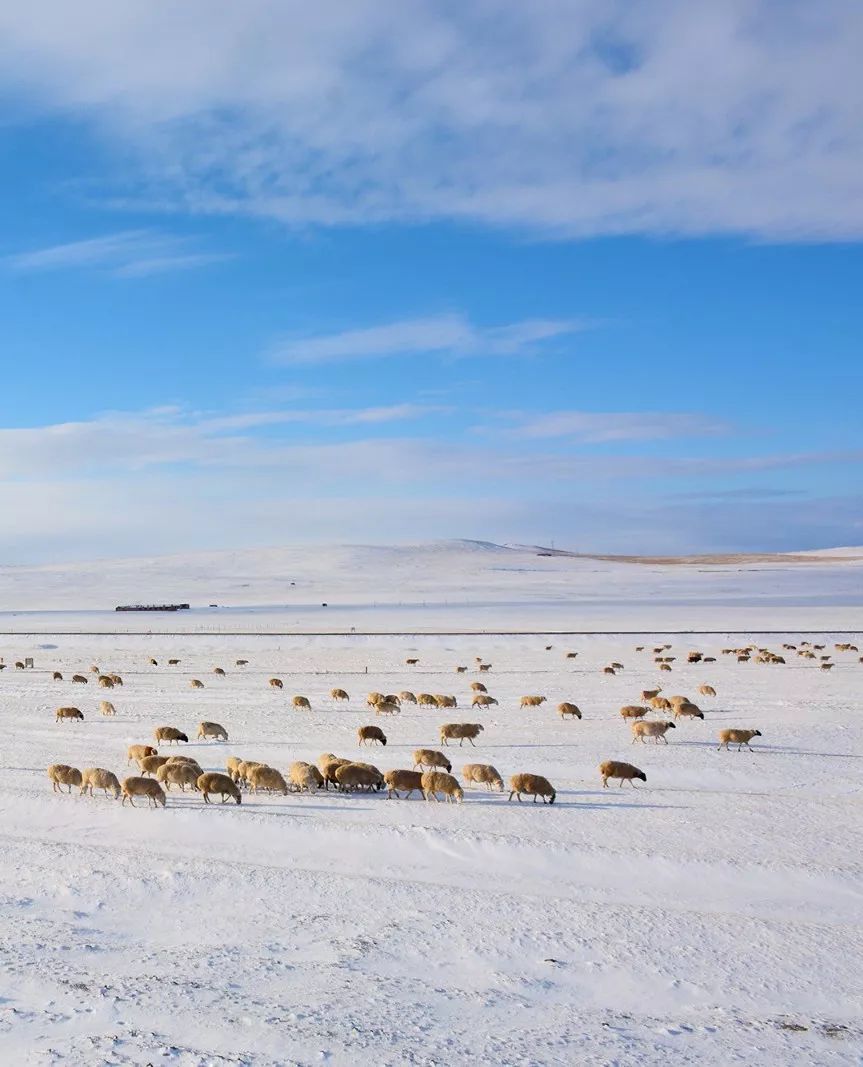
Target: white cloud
575	118
451	334
128	254
605	427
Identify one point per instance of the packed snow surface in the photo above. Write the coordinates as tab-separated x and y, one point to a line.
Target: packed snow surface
711	915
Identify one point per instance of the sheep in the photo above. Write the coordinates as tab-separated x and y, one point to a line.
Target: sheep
402	779
407	697
116	679
532	701
571	655
633	711
338	694
678	699
62	774
244	770
78	679
328	768
169	734
105	682
268	779
98	778
196	683
221	785
173	662
688	711
242	663
737	737
617	666
707	690
136	752
181	774
434	782
483	700
94	669
826	666
461	730
143	787
664	667
186	761
430	758
566	708
212	729
624	771
371	733
301	702
531	785
232	764
57	676
74	714
660	703
374	698
305	776
485	667
478	687
412	662
484	774
150	764
694	657
426	700
386	707
608	670
276	683
443	701
219	671
154	662
351	776
459	670
709	659
648	694
640	730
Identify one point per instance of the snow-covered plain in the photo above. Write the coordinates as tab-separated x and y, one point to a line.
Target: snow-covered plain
712	915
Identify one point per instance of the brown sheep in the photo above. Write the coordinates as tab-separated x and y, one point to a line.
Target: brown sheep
609	670
79	679
664	667
137	752
483	774
107	708
328	768
571	655
187	761
404	780
305	776
143	787
173	662
485	667
94	669
170	734
478	687
276	683
407	697
737	737
483	700
62	774
338	694
624	771
219	671
443	701
648	694
434	782
302	702
212	729
566	708
532	701
688	711
181	774
826	666
57	676
221	785
244	770
430	758
150	764
351	776
116	679
371	733
531	785
461	730
105	682
412	662
426	700
268	779
707	690
386	707
656	730
98	778
73	714
660	703
374	698
232	764
633	711
196	683
458	670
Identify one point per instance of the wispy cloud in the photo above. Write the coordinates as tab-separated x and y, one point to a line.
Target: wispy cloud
127	254
449	334
606	427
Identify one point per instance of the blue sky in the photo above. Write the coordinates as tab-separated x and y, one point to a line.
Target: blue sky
393	272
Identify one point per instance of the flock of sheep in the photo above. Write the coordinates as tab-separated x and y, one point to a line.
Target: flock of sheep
431	774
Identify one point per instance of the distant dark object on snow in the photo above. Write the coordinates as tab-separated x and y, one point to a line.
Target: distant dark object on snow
152	607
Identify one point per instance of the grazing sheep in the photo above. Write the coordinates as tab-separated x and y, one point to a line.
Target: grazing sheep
532	785
105	682
170	734
624	771
386	707
532	701
154	662
434	782
305	776
94	669
694	657
150	764
660	703
709	659
181	774
196	683
338	694
404	780
143	787
678	699
268	779
483	700
412	662
221	785
458	670
572	655
219	672
445	701
430	758
351	776
187	761
426	700
374	698
566	708
688	711
212	729
242	663
658	730
78	679
633	711
478	687
485	667
232	765
62	774
707	690
826	666
737	737
483	774
407	697
116	679
608	670
648	694
98	778
276	683
137	752
664	667
107	708
173	662
57	676
244	770
328	768
371	733
617	666
74	714
461	730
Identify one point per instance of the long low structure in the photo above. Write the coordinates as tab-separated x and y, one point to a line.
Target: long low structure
152	607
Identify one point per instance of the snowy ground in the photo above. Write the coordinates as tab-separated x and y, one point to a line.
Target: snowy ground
712	915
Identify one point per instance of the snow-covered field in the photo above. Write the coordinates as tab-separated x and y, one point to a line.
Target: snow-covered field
712	915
